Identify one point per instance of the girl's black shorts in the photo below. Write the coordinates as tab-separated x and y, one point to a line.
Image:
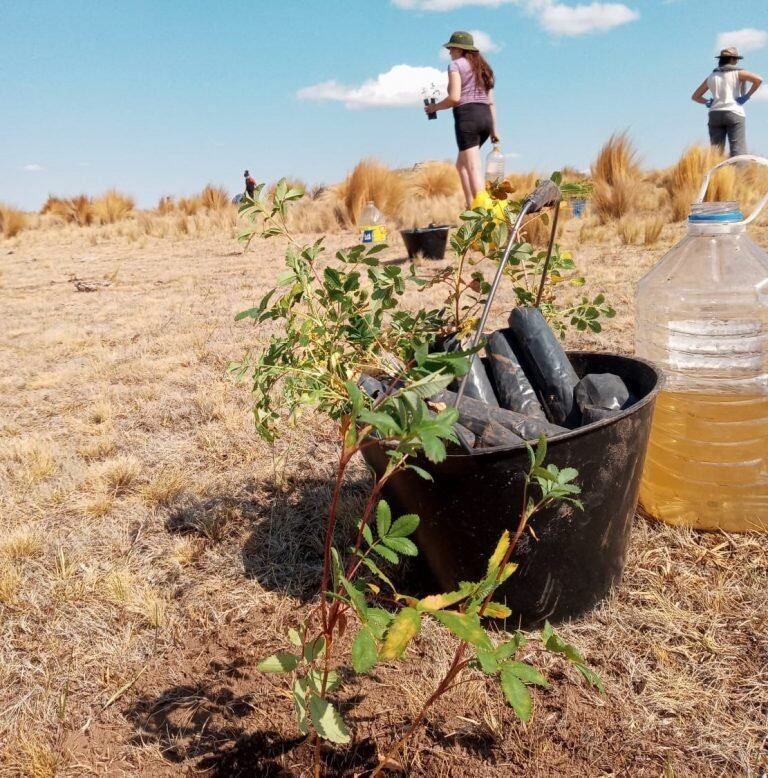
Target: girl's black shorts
473	123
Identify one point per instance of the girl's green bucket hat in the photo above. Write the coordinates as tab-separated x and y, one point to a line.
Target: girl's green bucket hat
461	40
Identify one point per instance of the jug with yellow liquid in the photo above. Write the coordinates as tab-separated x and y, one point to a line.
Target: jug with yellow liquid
702	315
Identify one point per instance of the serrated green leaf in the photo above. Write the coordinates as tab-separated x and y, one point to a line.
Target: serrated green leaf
327	720
421	472
300	705
436	602
401	631
517	695
367	534
386	553
294	637
487	661
404	526
527	673
591	676
281	662
383	518
403	546
364	651
465	626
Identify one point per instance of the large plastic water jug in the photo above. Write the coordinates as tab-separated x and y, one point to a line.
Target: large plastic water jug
494	166
702	315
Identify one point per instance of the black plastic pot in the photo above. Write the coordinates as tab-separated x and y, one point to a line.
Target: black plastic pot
571	559
428	242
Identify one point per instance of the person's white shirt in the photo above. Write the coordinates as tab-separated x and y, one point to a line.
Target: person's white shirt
725	87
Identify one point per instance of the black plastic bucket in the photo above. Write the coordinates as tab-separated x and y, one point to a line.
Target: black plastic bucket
568	560
429	242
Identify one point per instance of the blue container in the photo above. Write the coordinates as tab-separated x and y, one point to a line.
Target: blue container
578	208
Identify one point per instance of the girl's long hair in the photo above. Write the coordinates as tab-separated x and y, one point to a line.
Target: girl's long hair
482	70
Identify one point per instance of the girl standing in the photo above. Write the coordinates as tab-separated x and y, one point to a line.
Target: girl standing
470	94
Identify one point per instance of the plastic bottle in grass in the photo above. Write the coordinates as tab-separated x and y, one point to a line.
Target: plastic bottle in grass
494	166
372	229
702	315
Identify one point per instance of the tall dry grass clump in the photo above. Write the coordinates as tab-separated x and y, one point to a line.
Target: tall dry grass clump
112	206
683	180
73	210
215	198
371	180
12	222
437	179
615	174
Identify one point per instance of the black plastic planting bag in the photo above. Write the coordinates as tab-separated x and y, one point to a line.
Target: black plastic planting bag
546	363
513	388
476	415
601	390
494	436
466	437
370	385
590	414
478	385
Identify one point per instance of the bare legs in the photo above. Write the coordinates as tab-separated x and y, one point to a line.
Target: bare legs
469	167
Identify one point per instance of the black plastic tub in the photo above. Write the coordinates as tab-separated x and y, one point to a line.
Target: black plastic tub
428	242
568	560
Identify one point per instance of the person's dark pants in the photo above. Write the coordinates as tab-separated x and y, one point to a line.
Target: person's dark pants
730	125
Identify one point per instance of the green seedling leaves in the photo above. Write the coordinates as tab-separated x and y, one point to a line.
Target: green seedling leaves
383	518
517	695
313	649
465	626
327	720
356	597
526	673
404	526
401	545
281	662
553	642
364	650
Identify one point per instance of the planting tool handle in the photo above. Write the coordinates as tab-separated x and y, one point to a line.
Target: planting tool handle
733	161
545	194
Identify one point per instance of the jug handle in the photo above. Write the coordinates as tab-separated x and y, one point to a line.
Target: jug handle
732	161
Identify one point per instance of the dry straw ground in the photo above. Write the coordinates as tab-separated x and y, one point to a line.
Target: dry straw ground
152	548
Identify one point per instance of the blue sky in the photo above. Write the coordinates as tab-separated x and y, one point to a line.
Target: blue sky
162	97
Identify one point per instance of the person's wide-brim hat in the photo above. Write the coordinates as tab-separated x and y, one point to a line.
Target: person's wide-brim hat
461	40
730	52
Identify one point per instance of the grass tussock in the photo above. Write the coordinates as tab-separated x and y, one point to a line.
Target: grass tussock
10	582
685	177
652	230
437	179
21	543
371	180
12	221
615	174
112	206
215	198
71	210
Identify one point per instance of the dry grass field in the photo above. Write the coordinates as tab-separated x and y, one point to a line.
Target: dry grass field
153	548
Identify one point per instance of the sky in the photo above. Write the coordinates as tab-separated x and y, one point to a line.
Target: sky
161	97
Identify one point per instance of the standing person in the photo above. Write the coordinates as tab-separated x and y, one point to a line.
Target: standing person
470	94
728	86
250	184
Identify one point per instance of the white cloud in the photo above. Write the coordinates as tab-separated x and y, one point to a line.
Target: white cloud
400	86
555	17
560	19
483	41
744	40
33	168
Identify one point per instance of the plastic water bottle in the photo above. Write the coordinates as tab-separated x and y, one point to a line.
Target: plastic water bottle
494	166
702	315
372	229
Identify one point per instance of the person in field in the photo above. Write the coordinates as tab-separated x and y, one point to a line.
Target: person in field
250	184
729	86
470	94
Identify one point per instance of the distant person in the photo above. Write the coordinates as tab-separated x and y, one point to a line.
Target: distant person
730	87
470	94
250	185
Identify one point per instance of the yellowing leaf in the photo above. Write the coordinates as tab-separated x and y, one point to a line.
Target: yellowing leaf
509	568
498	555
405	626
496	610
